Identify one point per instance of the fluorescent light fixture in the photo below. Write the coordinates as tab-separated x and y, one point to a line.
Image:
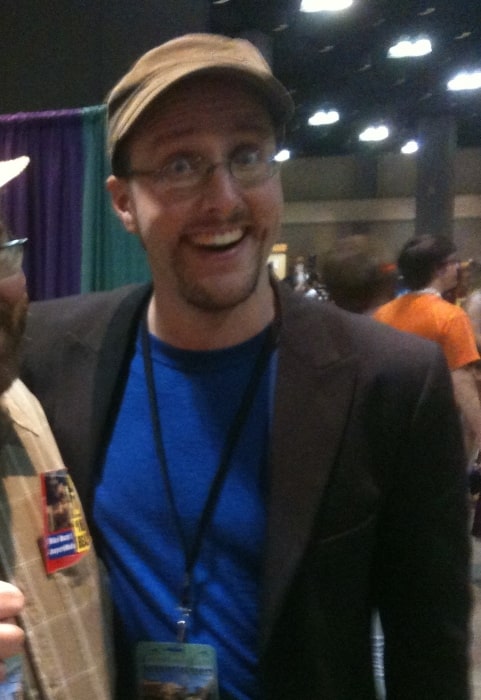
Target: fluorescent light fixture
410	48
324	117
374	133
325	5
466	81
410	147
282	156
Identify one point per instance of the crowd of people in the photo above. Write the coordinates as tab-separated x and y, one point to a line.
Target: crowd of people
261	474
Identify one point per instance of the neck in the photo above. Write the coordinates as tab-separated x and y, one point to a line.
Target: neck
435	286
196	329
428	290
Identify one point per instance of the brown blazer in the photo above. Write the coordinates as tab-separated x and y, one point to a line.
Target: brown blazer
367	499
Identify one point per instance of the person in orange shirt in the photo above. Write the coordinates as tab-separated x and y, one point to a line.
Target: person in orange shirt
429	268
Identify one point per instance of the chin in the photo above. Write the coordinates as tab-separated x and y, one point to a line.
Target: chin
220	297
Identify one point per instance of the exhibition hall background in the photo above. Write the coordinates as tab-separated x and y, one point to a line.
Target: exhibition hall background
58	61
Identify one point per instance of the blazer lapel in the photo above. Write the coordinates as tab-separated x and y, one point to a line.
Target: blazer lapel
94	365
313	393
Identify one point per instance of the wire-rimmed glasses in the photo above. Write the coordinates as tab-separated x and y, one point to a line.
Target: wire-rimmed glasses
187	173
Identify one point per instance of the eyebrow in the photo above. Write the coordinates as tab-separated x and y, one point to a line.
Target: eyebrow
244	123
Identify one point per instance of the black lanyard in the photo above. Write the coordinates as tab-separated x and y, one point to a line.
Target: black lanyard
191	554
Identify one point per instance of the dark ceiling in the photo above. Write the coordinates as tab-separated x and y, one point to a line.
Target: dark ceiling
340	60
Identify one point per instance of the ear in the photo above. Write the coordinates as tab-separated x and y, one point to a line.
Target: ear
122	201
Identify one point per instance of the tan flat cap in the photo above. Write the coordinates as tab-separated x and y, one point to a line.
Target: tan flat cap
192	54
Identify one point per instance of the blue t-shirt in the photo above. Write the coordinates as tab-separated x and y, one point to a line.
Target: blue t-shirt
198	396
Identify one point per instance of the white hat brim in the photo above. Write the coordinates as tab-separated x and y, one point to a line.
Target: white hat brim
11	168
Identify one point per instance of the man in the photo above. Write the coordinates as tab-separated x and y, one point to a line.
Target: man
51	633
429	266
355	277
261	469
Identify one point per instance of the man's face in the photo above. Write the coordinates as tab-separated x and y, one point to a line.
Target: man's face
13	312
207	248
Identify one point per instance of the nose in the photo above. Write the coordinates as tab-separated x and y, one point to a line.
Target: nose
220	191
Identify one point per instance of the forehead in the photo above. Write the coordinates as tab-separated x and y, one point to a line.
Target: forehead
205	104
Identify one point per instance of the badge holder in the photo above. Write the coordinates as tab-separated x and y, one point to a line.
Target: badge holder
176	670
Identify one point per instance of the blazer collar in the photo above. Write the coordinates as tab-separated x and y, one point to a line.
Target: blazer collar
100	359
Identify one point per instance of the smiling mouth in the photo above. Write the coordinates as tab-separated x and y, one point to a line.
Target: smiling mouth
218	241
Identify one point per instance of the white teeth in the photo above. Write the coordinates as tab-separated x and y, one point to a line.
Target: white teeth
218	240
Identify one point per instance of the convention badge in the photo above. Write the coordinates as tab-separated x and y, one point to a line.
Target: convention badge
66	538
176	670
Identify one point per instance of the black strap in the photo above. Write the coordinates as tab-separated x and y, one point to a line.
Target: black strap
191	554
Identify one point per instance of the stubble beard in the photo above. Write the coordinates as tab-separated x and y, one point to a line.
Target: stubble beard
210	299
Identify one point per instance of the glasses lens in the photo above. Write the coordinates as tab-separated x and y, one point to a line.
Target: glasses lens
253	173
11	257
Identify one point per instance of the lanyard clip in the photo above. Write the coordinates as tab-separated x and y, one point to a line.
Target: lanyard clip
185	611
182	624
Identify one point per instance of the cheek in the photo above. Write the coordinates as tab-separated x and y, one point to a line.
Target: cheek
268	205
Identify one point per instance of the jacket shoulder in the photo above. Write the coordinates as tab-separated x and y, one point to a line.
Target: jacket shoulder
85	317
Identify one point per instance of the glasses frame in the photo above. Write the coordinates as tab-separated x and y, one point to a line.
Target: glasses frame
271	164
13	243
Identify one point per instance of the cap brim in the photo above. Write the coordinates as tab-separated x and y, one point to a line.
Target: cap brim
9	169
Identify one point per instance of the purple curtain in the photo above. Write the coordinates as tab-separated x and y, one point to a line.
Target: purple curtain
45	202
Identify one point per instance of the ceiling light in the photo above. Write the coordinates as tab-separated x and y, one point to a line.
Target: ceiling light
410	48
374	133
466	81
427	11
325	5
410	147
324	117
283	155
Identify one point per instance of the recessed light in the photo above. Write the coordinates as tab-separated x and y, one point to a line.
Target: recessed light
427	11
324	117
410	147
465	80
283	155
410	48
325	5
374	133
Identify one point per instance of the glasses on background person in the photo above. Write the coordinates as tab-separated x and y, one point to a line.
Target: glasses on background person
11	257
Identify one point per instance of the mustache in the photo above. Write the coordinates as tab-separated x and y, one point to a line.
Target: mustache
239	217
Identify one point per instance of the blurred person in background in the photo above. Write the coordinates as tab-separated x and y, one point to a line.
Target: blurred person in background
356	277
429	268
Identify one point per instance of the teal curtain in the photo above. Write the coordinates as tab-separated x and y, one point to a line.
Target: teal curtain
110	256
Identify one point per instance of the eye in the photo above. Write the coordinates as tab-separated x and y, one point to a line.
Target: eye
180	167
248	157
